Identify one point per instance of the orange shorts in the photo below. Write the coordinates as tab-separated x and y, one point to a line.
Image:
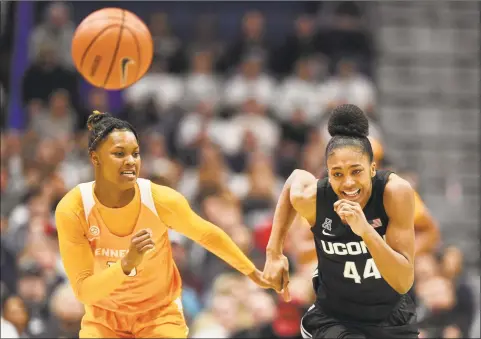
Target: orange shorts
165	322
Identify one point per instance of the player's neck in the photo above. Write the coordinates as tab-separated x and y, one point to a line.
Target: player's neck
112	196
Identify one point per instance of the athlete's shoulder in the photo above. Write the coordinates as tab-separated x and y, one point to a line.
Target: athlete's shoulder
70	211
71	202
166	196
398	186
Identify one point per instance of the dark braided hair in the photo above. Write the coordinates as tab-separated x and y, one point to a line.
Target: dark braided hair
348	126
100	125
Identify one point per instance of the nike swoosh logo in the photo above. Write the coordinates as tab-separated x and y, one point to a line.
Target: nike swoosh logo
123	68
328	234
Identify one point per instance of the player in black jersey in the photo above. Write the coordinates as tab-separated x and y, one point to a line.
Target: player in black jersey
363	225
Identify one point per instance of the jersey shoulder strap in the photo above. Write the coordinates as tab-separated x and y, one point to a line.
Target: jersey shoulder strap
321	195
145	188
87	193
379	185
380	182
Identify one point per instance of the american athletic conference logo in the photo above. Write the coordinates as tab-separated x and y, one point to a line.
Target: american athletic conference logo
327	227
327	224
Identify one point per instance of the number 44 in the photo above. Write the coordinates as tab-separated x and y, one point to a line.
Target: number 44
370	270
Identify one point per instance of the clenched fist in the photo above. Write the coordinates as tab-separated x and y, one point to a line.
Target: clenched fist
141	243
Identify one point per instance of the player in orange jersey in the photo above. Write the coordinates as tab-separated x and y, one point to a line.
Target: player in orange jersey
426	227
113	235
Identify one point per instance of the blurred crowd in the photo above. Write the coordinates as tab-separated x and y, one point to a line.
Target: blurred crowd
222	122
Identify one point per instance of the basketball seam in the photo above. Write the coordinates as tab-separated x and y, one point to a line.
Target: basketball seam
138	50
93	41
116	51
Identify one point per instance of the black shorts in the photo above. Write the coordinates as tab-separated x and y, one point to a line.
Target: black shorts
317	324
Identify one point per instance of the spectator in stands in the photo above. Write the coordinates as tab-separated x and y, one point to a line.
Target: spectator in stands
155	158
11	154
58	121
262	306
295	133
167	46
201	84
66	311
286	323
7	330
220	208
226	313
164	88
203	124
204	38
313	157
191	285
15	313
300	93
10	196
3	107
57	29
8	267
350	86
147	115
347	38
211	172
438	298
251	41
298	249
253	118
250	82
96	99
33	290
452	267
46	75
262	188
302	44
16	235
446	308
73	167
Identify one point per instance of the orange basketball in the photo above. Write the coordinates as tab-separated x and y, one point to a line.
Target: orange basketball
112	48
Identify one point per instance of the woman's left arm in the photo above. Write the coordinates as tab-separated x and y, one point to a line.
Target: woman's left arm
396	262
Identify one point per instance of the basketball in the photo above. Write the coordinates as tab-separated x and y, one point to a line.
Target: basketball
112	48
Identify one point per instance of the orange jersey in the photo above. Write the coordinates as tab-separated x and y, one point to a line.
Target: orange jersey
419	208
93	239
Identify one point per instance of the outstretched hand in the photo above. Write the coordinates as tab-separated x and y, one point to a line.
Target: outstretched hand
276	273
257	277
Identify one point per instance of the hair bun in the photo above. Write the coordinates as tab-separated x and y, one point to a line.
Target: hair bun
95	118
348	120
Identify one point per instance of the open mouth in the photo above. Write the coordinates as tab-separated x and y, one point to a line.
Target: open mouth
352	194
128	174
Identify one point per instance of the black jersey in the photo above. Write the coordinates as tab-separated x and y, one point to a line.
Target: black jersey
347	282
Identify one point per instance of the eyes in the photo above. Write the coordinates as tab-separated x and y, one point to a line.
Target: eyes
122	154
355	172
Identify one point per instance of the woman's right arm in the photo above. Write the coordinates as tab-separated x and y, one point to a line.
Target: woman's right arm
297	196
78	259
